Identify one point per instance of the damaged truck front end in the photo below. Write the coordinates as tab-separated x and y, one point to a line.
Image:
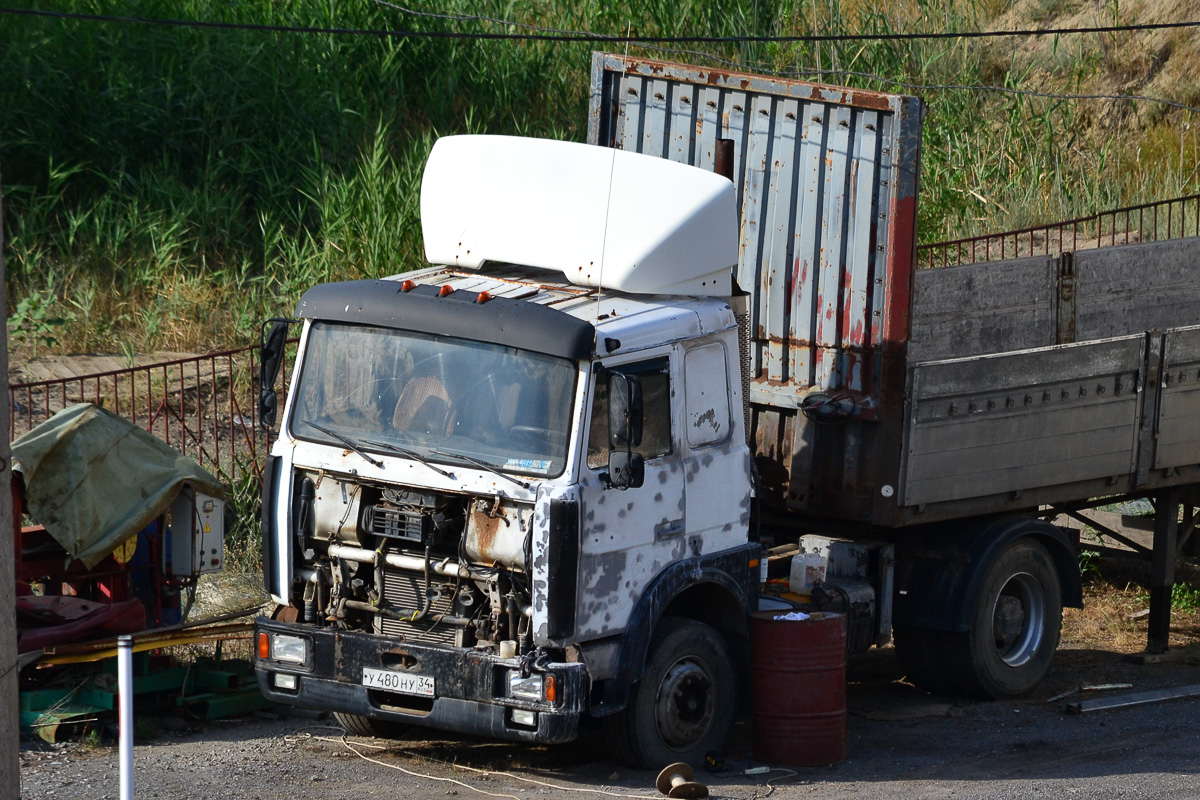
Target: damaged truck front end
416	505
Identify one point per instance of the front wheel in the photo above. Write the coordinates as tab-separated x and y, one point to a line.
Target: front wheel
1015	626
684	704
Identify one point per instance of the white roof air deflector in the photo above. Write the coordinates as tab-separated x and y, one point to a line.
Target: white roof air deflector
603	217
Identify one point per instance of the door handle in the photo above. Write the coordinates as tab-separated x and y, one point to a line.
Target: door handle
667	528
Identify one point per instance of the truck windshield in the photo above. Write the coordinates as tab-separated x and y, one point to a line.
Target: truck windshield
435	396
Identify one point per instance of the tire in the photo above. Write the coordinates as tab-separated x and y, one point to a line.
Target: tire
683	706
369	726
919	651
1015	626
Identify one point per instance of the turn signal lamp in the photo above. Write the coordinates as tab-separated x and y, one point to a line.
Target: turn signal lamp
264	646
551	689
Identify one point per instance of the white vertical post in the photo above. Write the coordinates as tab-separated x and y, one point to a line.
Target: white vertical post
125	705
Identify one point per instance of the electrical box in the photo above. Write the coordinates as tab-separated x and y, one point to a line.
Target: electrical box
197	525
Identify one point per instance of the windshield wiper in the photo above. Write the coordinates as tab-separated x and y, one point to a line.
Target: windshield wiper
395	448
346	441
482	465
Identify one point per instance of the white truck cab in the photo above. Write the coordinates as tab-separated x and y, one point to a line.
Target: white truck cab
508	486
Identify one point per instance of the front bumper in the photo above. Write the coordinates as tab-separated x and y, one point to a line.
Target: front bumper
470	685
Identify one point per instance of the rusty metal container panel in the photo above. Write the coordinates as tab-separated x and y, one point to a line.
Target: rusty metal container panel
827	186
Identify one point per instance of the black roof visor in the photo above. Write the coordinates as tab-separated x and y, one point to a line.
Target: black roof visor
501	320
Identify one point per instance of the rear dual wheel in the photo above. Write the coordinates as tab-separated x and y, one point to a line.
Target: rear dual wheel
1015	626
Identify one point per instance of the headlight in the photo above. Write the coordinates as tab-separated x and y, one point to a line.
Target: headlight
525	688
292	649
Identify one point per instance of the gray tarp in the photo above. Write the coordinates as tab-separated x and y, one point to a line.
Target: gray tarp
94	479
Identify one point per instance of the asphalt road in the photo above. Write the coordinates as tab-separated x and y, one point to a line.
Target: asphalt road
902	744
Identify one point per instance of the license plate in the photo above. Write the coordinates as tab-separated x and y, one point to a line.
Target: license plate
401	682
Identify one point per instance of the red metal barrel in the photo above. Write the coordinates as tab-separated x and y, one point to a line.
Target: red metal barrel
798	696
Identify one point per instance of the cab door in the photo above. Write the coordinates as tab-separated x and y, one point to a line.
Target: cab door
628	536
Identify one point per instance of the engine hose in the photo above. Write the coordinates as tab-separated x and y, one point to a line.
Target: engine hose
512	618
428	604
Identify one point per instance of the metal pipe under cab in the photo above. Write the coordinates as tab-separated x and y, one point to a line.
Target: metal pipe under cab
399	561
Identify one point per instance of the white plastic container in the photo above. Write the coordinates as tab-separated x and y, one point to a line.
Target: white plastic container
808	569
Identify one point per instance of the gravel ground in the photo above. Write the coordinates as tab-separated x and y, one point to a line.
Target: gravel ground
902	744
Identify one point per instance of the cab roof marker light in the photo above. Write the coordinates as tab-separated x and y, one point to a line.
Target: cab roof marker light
483	297
445	290
408	285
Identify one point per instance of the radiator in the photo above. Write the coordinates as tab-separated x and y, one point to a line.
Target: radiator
403	589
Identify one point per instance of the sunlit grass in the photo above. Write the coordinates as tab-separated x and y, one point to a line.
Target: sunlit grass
168	188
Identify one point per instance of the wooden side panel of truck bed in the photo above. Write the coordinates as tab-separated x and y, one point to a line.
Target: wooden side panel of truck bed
1116	410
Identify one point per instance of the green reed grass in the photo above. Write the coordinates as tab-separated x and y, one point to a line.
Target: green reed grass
168	188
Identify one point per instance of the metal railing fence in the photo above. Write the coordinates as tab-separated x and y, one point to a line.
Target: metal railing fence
1148	222
203	406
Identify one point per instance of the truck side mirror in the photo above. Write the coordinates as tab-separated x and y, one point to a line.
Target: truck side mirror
270	358
626	470
624	411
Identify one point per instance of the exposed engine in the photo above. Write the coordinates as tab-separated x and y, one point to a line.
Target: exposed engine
412	564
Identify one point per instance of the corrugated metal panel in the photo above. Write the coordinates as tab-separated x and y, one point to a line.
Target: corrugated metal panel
826	193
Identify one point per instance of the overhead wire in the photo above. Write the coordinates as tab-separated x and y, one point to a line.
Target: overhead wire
597	37
762	68
540	33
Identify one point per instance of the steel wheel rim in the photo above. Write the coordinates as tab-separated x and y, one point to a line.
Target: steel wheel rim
1018	619
685	704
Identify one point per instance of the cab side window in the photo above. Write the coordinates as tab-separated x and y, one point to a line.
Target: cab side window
655	377
706	378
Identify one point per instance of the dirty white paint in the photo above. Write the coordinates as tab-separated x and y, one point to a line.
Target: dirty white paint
706	391
717	465
695	500
629	536
540	570
602	217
